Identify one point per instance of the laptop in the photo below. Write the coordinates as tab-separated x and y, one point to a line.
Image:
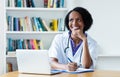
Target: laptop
34	61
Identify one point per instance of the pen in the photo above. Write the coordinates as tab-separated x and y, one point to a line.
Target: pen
70	60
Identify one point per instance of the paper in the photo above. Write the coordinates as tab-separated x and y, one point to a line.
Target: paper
79	70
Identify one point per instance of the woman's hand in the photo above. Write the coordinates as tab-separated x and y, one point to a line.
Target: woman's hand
78	33
72	66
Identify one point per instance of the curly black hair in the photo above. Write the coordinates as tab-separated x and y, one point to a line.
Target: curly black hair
86	16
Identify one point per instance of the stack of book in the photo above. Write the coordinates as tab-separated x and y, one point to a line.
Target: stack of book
9	67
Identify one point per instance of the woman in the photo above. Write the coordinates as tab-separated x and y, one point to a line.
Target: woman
74	49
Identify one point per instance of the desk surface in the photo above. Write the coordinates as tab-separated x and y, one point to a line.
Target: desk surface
96	73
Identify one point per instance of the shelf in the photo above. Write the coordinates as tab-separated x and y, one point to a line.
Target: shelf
34	32
42	12
35	9
11	54
31	35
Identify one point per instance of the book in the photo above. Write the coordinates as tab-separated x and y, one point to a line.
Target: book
55	4
35	44
25	44
27	23
45	25
61	26
9	23
36	24
12	3
28	3
21	24
58	3
49	1
20	43
55	24
33	24
32	3
61	3
10	44
40	44
30	23
9	67
16	24
29	44
40	24
24	3
45	3
19	3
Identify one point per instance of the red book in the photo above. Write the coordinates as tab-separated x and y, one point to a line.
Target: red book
45	3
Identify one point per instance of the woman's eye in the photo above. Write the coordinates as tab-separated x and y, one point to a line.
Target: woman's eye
70	20
79	20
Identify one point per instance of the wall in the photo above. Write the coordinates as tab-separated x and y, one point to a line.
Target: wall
2	38
105	30
106	14
106	24
108	63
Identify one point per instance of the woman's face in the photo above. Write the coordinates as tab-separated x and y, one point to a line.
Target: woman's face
75	21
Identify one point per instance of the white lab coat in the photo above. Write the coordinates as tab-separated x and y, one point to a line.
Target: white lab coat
59	44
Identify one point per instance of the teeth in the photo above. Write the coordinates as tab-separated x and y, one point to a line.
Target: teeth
75	28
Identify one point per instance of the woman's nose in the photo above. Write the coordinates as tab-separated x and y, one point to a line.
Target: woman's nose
74	23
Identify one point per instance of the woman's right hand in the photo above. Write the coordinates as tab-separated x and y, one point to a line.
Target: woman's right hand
72	66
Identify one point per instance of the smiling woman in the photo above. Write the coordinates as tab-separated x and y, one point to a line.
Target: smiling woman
75	47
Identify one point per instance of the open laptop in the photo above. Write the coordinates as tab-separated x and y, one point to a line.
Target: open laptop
34	61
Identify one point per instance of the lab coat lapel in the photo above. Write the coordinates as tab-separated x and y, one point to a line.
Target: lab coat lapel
77	55
69	52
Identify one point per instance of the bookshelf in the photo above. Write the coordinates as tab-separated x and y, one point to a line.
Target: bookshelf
38	11
32	35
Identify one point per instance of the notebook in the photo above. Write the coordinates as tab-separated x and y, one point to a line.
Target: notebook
34	61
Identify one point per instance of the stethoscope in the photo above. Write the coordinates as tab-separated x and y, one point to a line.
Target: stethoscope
67	47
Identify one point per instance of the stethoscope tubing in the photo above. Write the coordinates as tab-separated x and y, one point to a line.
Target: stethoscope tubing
67	47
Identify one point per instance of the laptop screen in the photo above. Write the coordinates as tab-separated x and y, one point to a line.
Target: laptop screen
33	61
